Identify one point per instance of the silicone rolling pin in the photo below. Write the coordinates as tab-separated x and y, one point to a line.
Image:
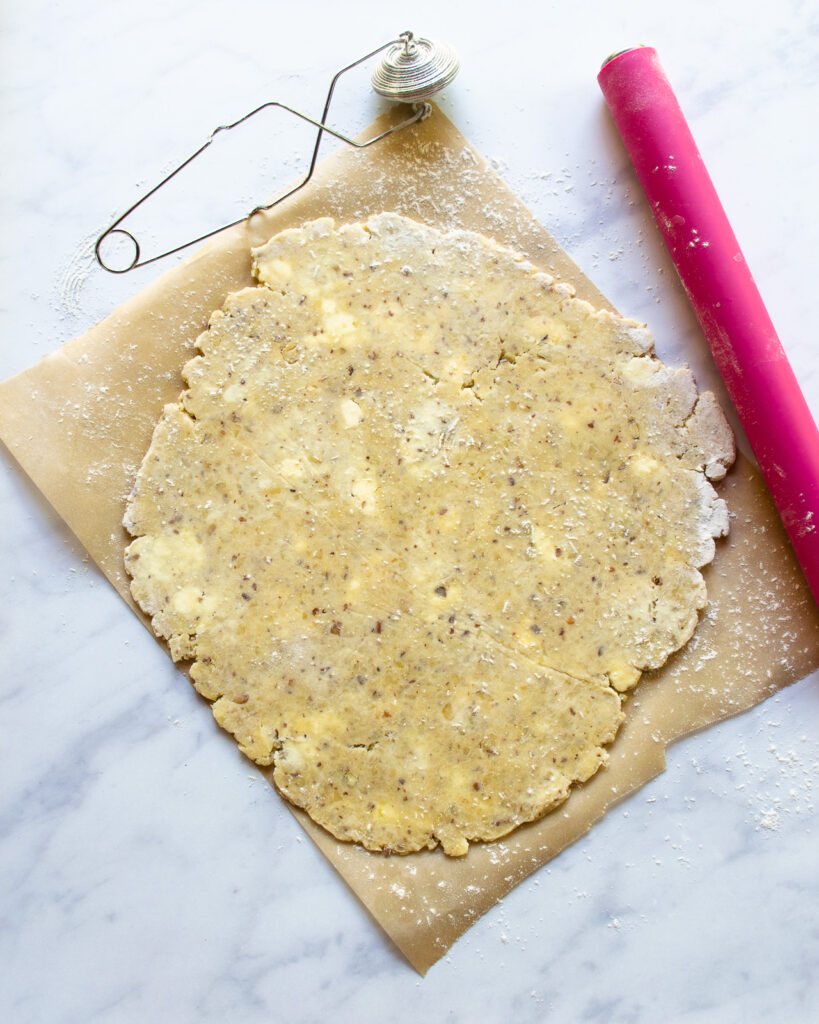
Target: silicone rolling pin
745	346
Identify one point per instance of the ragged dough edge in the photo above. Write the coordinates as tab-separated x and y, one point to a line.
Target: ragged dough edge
170	620
703	425
708	432
289	752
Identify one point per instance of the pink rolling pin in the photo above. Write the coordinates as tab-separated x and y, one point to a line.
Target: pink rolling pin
746	349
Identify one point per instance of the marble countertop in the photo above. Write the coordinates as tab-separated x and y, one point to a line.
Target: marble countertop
146	872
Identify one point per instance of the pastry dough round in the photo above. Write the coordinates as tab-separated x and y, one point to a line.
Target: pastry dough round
419	519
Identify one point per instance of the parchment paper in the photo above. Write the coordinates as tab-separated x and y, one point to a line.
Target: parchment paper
80	421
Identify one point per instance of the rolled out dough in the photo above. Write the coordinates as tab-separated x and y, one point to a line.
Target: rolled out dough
418	522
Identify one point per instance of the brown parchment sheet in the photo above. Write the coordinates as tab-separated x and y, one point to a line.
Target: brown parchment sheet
80	421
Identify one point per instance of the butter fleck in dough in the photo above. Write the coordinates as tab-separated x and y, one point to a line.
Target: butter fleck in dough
418	522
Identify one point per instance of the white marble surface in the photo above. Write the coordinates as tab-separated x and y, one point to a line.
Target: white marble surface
146	873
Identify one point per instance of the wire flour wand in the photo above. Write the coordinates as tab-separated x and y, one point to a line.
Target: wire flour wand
411	71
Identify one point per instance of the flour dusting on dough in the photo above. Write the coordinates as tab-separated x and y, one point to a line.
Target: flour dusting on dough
419	521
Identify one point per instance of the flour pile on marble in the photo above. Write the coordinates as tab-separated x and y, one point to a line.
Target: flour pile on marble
419	521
